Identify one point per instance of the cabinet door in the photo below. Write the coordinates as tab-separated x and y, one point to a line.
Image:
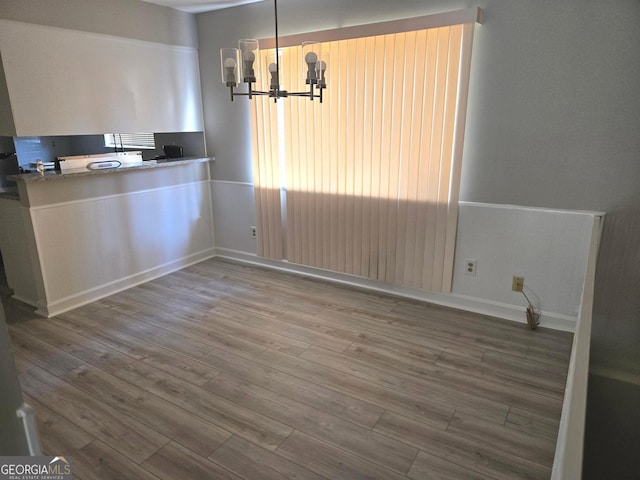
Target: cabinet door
66	82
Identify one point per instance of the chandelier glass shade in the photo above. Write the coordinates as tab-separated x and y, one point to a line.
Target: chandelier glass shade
242	65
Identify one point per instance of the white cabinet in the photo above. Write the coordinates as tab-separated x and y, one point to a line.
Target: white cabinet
67	82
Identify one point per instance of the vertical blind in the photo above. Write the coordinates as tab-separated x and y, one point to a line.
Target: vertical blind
367	182
130	140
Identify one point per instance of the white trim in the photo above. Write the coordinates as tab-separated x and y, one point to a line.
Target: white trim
535	209
477	305
231	182
30	429
457	17
115	195
515	313
569	446
101	291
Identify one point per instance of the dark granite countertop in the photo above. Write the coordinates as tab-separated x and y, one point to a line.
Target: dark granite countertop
83	172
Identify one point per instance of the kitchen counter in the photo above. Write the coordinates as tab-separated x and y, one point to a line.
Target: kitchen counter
81	235
83	172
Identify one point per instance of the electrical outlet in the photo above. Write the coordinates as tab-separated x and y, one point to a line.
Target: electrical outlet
517	284
470	266
254	232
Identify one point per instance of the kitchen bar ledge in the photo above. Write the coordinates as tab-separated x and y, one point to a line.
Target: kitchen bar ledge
80	236
83	172
29	184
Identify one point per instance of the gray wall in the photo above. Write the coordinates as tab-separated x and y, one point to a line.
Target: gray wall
612	436
12	438
123	18
553	119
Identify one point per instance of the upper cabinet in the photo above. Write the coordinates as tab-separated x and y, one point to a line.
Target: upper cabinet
67	82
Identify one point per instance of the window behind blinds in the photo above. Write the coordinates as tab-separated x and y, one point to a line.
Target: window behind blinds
367	182
129	140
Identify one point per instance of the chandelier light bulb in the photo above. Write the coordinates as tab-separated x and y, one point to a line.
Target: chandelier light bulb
243	65
273	70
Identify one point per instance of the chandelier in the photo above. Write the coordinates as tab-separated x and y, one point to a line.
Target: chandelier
243	63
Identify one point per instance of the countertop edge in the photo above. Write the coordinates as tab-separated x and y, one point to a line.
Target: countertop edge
147	165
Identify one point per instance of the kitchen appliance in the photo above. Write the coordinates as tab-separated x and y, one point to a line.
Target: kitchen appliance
18	432
173	151
78	163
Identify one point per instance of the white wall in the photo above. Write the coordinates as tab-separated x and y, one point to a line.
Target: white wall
552	119
122	18
234	211
99	234
549	248
66	82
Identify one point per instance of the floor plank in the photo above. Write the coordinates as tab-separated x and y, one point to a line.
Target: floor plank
348	325
479	456
427	466
169	361
458	399
83	348
296	330
224	370
98	461
517	443
250	461
330	401
37	352
164	417
329	461
175	462
383	396
534	424
374	447
541	378
125	434
57	434
246	423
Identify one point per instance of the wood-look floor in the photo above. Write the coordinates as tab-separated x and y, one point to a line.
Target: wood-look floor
226	371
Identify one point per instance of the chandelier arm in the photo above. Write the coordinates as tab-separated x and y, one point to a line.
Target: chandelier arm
246	94
231	62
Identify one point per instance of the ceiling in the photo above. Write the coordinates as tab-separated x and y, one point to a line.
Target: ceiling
199	6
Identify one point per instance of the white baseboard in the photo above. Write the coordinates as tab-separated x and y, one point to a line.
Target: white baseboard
74	301
515	313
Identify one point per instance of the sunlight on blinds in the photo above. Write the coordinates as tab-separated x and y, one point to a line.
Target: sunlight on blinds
371	176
